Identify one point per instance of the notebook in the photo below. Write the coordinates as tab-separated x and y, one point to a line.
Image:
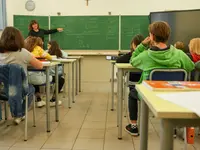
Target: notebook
172	85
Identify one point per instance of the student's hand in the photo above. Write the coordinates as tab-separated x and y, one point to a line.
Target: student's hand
59	29
146	41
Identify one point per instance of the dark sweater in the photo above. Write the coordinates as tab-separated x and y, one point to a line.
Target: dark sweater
41	33
134	76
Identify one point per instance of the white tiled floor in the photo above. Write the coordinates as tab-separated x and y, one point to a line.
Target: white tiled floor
89	125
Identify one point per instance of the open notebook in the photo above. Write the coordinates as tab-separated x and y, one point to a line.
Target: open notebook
189	100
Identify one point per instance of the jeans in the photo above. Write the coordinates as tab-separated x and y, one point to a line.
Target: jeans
61	82
18	112
31	92
133	103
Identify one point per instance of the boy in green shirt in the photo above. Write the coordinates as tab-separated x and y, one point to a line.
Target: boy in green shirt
159	55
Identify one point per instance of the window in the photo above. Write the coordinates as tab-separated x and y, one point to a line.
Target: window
2	14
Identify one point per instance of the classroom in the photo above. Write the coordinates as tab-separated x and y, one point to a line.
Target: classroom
99	75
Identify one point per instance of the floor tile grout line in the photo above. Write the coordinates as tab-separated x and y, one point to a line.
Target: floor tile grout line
81	125
154	128
106	121
52	131
50	135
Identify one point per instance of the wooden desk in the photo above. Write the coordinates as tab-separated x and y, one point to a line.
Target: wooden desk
171	115
68	61
121	68
92	52
78	71
47	65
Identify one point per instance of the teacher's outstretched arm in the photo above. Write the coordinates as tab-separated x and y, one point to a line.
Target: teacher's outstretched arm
51	31
34	30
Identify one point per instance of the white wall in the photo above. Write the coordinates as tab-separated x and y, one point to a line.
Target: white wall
97	7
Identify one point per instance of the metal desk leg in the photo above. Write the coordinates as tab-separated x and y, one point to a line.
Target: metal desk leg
79	75
73	92
47	99
126	93
69	86
144	126
120	102
112	87
166	137
76	77
56	86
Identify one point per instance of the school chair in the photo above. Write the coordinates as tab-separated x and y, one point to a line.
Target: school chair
5	76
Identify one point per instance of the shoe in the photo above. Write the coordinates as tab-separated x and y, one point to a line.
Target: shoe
132	129
175	133
53	102
17	120
40	103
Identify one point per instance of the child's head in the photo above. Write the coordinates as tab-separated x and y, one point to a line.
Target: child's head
33	25
159	32
137	39
11	39
179	45
194	46
31	42
54	49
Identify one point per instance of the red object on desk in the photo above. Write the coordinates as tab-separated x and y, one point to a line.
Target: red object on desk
190	131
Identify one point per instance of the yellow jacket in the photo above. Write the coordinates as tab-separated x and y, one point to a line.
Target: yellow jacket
39	52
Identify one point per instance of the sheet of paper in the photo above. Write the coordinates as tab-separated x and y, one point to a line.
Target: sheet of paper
46	62
189	100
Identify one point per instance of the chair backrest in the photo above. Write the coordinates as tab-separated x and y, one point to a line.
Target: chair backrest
168	75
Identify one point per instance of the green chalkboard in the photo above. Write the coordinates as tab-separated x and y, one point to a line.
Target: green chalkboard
130	26
87	32
22	23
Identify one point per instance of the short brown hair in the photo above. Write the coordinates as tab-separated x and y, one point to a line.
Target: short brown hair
179	45
31	42
137	39
32	23
11	39
160	31
194	46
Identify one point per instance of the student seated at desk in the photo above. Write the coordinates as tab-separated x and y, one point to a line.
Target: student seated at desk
54	49
137	39
160	55
194	47
12	51
34	45
180	45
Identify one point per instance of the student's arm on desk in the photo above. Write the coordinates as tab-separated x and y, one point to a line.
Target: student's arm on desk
36	63
136	58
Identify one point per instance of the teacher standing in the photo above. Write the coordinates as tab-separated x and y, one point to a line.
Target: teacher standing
34	30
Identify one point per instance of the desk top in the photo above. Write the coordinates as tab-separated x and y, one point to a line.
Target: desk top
112	61
75	57
93	52
162	108
64	60
124	65
49	64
